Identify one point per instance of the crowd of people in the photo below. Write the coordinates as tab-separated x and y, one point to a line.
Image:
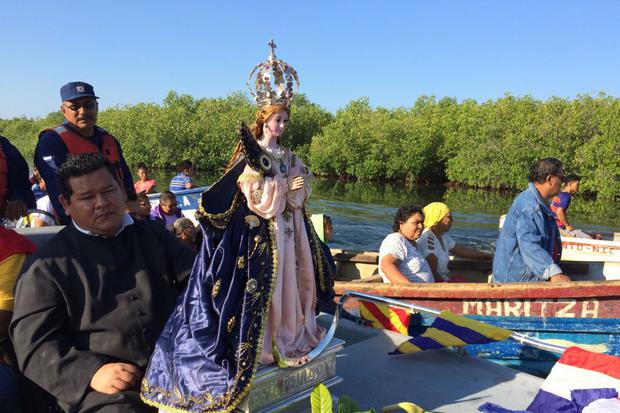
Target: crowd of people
529	247
87	321
70	329
129	307
419	249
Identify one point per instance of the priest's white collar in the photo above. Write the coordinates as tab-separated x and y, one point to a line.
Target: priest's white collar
127	220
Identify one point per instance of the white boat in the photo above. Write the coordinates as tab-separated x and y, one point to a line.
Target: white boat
602	255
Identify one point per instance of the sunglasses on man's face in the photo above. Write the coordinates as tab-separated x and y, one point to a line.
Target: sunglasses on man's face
77	106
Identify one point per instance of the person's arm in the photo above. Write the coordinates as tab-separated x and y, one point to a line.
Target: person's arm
432	262
466	252
45	351
561	214
20	196
49	154
389	267
38	221
530	232
127	178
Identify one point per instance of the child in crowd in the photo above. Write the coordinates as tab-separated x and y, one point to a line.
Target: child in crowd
144	184
183	180
559	207
44	204
35	180
167	210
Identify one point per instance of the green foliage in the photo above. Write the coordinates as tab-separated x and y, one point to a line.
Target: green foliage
24	132
499	139
307	120
376	144
202	130
347	405
321	400
483	145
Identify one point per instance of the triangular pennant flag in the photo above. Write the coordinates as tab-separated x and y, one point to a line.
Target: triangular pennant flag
450	329
385	317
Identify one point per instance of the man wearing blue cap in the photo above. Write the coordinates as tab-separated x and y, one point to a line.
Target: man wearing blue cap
78	134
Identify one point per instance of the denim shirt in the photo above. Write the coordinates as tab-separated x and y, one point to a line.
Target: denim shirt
525	246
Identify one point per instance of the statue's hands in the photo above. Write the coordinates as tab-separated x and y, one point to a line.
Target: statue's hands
113	378
295	182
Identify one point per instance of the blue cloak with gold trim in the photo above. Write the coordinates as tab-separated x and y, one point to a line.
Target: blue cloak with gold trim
209	351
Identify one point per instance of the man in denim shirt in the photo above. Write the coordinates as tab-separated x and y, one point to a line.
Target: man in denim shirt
529	246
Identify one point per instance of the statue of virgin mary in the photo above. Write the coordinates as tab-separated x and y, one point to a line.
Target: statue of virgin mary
253	292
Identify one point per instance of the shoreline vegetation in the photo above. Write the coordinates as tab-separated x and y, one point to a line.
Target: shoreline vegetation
466	144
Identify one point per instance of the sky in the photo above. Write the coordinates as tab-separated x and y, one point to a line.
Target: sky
391	52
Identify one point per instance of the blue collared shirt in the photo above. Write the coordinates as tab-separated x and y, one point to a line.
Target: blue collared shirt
529	246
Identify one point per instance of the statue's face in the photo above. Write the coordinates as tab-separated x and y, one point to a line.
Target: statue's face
276	124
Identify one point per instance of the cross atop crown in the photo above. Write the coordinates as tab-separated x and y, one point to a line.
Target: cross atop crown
272	45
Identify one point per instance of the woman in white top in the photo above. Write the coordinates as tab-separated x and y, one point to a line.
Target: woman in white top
436	245
400	261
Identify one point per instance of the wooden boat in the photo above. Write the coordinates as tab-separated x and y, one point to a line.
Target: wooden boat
363	266
585	313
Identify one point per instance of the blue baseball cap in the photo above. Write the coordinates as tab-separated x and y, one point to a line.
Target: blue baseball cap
76	90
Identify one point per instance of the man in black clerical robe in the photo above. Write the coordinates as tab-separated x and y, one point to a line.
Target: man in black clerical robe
92	301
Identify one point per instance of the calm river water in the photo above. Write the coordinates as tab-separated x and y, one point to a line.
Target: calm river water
362	213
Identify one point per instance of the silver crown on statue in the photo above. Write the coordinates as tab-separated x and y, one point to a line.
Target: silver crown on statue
275	81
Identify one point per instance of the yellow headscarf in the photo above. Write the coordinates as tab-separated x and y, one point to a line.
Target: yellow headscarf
434	212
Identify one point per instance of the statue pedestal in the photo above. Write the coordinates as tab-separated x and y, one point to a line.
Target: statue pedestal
288	390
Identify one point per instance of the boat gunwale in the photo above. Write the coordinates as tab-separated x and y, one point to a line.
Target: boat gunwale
459	291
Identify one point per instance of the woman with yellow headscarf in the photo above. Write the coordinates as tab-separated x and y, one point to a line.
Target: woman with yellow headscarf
436	245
